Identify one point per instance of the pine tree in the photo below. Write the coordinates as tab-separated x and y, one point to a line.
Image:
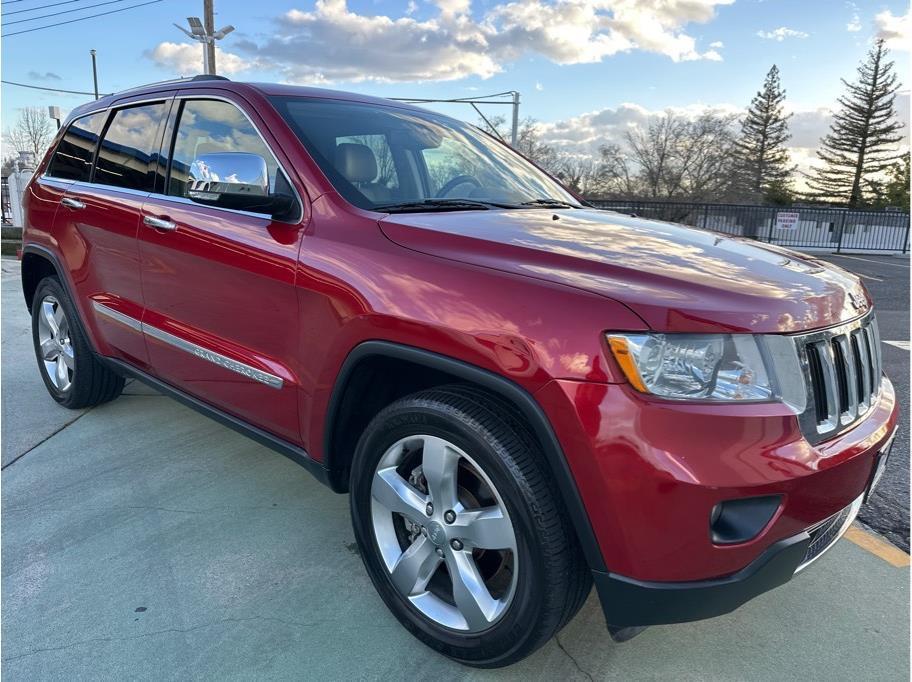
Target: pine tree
761	160
863	136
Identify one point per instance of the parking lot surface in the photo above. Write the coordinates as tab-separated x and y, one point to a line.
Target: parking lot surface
887	279
143	541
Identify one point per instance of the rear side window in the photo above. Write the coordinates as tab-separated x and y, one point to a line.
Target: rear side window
214	127
73	158
129	147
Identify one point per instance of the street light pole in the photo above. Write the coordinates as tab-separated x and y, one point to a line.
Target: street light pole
205	33
209	25
94	73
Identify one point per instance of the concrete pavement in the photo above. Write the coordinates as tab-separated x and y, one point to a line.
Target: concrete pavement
143	541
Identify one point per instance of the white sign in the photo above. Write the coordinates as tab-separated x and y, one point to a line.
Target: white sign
787	220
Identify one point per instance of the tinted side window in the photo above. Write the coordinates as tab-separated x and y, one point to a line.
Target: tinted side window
129	146
73	158
213	127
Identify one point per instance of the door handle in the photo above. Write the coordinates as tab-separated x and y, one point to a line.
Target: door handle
160	223
69	202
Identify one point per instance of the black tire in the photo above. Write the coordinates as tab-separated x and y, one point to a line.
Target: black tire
92	383
552	579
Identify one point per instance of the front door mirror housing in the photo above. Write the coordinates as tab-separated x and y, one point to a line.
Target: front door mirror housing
236	180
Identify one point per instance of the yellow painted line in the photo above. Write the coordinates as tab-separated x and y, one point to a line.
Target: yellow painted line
877	546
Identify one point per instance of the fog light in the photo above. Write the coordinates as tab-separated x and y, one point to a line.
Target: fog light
735	521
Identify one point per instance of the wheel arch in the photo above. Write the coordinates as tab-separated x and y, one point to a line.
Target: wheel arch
434	369
38	263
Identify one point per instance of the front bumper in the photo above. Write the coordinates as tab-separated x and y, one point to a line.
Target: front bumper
631	603
650	474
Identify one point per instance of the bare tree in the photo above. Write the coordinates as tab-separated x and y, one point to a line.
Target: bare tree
678	158
529	142
578	173
32	132
615	175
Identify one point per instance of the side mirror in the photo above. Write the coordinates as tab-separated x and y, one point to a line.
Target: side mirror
236	180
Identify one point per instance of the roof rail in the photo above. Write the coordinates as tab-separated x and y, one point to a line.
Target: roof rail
189	79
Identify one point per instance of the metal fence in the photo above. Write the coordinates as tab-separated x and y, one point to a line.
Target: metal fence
794	226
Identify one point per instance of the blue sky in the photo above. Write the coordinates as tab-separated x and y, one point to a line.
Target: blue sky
602	64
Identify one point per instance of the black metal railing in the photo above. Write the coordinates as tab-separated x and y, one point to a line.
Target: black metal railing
793	226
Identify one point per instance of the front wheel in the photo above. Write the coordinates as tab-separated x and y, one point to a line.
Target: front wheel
460	528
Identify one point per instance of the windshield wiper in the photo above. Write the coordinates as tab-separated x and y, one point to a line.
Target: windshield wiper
550	203
440	205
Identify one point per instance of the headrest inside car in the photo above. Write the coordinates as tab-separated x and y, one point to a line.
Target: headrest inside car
356	162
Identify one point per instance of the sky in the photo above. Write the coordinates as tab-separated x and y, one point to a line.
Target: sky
586	69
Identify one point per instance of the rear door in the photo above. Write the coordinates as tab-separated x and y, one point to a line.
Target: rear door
98	221
221	318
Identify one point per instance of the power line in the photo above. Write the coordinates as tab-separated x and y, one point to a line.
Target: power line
39	87
35	9
65	11
73	21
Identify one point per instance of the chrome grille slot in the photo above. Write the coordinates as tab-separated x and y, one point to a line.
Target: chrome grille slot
842	369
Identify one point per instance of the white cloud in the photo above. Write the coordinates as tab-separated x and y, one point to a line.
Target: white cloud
896	30
855	24
718	45
333	42
539	86
782	33
187	59
411	7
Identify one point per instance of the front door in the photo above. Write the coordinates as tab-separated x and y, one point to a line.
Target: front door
219	285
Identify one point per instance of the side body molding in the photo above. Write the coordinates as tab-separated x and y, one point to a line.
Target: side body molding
512	392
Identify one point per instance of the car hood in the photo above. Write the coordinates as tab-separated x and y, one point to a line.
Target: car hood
675	278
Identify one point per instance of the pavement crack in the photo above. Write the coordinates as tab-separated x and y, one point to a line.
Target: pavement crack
576	664
45	439
153	633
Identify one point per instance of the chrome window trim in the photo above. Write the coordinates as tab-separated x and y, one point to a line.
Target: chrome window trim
281	167
185	200
80	184
62	183
190	202
222	361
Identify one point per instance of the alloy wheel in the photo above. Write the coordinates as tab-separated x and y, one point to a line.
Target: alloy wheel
444	533
54	344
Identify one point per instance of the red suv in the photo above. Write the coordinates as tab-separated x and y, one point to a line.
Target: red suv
522	395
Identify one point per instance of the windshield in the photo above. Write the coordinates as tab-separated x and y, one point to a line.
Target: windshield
393	159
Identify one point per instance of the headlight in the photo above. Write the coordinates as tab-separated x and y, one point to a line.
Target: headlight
709	367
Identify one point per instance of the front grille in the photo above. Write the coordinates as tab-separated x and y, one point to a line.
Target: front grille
825	534
843	371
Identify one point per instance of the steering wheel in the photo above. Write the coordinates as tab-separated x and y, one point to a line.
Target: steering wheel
455	182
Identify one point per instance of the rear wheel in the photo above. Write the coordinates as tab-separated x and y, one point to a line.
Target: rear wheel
460	528
72	374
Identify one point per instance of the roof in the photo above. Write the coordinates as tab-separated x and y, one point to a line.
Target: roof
220	82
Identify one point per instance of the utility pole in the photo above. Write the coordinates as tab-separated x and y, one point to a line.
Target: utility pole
515	134
204	32
94	73
209	25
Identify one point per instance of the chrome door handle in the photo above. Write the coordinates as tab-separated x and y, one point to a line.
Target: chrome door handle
160	223
72	203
